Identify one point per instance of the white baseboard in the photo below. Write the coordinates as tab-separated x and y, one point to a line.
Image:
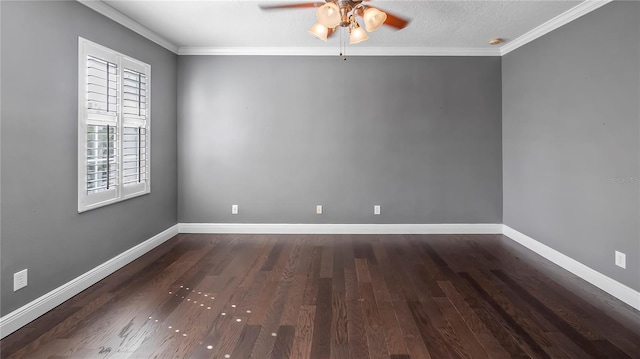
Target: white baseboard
27	313
290	228
609	285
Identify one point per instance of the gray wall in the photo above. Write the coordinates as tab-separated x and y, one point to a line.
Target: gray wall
420	136
571	139
41	229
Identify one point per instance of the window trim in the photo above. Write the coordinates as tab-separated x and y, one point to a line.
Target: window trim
121	192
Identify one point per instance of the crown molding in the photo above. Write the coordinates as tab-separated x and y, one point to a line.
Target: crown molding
334	51
572	14
566	17
122	19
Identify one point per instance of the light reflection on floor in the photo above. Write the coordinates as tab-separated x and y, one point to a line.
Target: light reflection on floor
194	301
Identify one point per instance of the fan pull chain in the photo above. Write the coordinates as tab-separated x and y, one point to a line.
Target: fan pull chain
340	42
343	44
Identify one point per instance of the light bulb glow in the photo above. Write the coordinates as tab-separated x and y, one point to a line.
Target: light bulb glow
373	19
320	31
357	35
329	15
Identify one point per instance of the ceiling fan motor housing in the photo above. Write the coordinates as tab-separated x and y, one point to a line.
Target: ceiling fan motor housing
345	8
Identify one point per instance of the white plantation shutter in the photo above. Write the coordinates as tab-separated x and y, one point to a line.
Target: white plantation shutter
134	154
102	86
135	144
102	132
102	163
135	94
113	126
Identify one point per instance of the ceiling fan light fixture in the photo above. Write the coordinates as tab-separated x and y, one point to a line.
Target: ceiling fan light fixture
329	15
320	31
373	19
357	34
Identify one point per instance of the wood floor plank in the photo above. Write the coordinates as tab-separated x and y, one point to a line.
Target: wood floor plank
392	329
377	280
245	343
415	345
229	338
265	341
372	323
294	301
130	301
513	324
604	314
384	283
439	326
596	348
435	340
259	258
273	257
56	347
262	305
401	277
362	248
583	317
498	326
302	267
209	343
358	347
285	265
284	342
339	332
335	296
60	331
467	338
220	311
362	270
275	309
489	343
310	295
326	266
531	321
301	347
193	320
321	344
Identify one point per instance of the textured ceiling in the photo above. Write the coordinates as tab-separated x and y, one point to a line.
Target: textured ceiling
434	24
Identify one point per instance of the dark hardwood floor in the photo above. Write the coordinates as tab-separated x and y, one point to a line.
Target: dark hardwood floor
335	296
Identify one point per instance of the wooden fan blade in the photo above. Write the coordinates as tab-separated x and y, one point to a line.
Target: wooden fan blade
392	20
291	6
396	21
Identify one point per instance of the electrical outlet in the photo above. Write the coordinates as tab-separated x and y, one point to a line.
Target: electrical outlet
20	280
376	209
319	209
621	260
234	209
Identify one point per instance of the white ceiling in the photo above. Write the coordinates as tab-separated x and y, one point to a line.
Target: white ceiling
450	27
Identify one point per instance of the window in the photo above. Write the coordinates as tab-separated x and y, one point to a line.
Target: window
113	126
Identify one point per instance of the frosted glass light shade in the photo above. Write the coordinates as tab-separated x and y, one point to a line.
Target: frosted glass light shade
357	35
373	19
320	31
329	15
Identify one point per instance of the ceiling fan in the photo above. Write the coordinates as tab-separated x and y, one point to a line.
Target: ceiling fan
343	13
